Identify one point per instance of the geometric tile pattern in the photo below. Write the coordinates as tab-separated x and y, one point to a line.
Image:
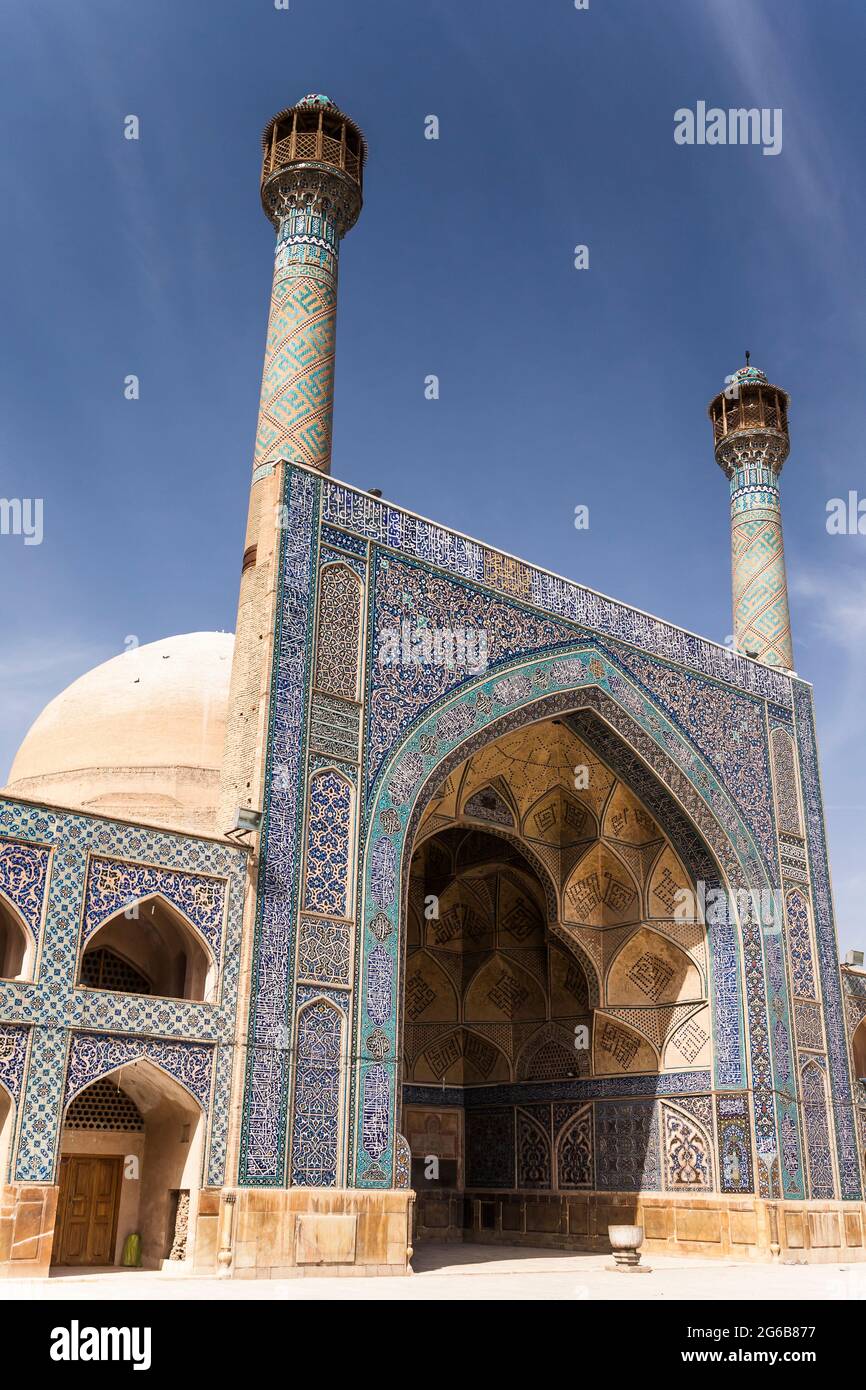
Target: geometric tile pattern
693	712
324	951
338	637
627	1154
827	949
762	624
263	1136
351	511
808	1019
490	1148
53	1010
297	397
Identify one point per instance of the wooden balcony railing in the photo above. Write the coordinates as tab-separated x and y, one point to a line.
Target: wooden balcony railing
314	145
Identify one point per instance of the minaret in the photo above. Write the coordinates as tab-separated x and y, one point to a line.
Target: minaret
750	432
312	174
312	171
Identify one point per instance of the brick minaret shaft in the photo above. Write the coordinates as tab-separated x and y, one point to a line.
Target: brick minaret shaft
750	432
311	188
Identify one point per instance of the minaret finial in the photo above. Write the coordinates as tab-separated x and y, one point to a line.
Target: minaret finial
750	432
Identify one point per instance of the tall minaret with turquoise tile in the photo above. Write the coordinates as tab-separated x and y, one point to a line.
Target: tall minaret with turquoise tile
750	433
313	159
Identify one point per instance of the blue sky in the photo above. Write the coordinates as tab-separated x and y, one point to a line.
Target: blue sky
558	387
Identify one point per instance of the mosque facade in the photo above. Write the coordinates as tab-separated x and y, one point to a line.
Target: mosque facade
451	901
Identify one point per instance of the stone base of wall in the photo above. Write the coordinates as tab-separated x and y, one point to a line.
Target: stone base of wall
739	1228
261	1233
280	1233
27	1213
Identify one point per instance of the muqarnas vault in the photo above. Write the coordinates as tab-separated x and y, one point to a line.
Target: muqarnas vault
534	933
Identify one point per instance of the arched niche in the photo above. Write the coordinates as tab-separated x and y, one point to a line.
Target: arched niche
143	1126
318	1095
550	1055
149	948
627	751
17	947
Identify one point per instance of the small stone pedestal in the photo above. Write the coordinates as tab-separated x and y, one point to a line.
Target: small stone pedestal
625	1242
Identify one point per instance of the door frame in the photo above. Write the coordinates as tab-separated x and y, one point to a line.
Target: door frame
116	1160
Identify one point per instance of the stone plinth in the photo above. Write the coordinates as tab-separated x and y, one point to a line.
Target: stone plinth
279	1233
739	1228
27	1212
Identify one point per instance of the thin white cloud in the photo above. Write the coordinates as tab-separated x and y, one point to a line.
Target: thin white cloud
773	70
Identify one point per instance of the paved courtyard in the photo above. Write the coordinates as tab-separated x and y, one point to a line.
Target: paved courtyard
472	1272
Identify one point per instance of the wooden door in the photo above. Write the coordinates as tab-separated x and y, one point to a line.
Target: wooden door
87	1209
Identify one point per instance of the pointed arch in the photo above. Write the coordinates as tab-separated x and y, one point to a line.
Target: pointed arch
458	1052
143	1093
587	682
551	1053
687	1151
318	1094
151	947
542	872
142	1057
574	1148
534	1149
819	1149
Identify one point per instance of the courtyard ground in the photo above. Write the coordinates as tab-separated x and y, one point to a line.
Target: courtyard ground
480	1272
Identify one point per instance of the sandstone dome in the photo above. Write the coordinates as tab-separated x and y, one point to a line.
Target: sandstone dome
140	736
